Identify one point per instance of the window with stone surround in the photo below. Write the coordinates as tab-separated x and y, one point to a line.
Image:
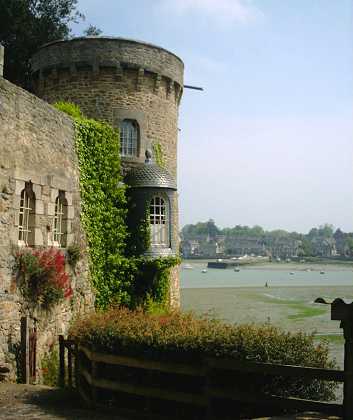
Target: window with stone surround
60	220
129	138
26	220
159	221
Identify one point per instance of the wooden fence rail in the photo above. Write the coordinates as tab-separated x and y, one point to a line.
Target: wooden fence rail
93	371
90	379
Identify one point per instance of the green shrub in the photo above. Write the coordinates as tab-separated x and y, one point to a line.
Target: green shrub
187	338
69	108
50	368
73	255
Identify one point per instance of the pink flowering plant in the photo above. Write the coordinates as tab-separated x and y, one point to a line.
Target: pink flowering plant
43	280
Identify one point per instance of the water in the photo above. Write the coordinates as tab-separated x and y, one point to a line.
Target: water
287	302
279	275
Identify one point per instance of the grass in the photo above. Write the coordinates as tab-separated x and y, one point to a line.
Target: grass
331	338
303	310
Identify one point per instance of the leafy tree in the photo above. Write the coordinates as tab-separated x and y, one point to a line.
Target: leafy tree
212	229
92	31
349	243
306	248
25	25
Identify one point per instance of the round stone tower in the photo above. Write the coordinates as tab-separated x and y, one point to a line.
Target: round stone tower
117	80
133	85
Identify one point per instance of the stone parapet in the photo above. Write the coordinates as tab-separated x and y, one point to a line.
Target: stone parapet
100	52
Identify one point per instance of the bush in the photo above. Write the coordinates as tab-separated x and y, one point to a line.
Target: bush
187	338
73	255
50	368
43	281
69	108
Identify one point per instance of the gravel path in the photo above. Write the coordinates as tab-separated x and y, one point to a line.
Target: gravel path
35	402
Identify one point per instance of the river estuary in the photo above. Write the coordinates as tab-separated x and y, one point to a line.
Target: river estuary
287	301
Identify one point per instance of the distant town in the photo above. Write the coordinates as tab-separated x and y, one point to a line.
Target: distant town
206	240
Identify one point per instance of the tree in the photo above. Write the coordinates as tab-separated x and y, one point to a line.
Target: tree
92	31
306	248
25	25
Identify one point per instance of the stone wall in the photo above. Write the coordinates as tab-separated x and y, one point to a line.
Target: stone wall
37	149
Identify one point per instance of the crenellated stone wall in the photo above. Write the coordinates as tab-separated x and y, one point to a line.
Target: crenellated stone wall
36	147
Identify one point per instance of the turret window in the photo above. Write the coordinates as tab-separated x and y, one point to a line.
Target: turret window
129	138
159	221
26	219
60	220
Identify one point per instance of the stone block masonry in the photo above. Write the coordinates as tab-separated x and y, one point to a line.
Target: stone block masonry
37	147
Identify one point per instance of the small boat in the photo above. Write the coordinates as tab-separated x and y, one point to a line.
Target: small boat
322	272
187	267
291	273
204	270
237	269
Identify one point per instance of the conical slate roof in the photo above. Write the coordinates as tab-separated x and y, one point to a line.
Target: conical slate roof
150	175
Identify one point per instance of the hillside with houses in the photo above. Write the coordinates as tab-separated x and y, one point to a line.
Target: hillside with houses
206	240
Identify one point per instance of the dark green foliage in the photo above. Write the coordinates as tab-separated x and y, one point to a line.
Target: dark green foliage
103	209
50	368
120	275
139	238
186	338
25	25
73	255
92	31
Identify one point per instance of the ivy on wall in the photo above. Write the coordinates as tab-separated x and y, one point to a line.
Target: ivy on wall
119	272
158	154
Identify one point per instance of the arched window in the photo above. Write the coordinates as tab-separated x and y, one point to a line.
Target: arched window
60	220
159	221
129	138
26	221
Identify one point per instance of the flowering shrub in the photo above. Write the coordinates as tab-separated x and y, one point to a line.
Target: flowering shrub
186	338
43	280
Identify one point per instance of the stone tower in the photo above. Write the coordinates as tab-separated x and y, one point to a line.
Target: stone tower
133	85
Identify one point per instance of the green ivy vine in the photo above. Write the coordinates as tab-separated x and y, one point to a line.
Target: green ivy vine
120	273
158	154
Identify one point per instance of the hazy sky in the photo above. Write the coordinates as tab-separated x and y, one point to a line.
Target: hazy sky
270	140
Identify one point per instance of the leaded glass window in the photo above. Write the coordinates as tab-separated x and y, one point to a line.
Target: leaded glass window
129	138
26	216
60	220
159	221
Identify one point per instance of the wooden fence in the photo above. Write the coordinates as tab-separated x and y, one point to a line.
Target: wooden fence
212	381
28	350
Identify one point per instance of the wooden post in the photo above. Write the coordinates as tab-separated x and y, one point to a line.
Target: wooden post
61	361
76	365
69	365
25	349
344	312
93	387
208	385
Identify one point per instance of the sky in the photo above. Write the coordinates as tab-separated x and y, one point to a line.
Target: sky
270	139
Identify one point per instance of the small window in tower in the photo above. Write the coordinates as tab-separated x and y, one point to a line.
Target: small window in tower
129	138
159	221
26	219
60	220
